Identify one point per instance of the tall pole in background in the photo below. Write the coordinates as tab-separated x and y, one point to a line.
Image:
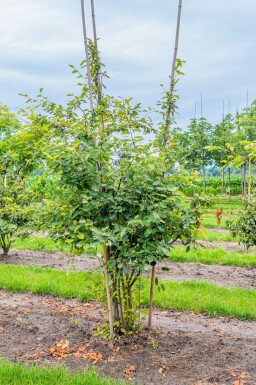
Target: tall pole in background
87	56
176	46
165	141
201	97
99	80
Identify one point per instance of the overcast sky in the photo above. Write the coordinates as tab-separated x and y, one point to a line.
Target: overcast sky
39	38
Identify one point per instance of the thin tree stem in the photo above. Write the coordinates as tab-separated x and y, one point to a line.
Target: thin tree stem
152	287
229	184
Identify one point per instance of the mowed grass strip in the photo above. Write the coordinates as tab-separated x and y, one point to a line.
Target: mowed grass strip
37	280
44	244
213	257
193	296
36	244
20	374
214	236
47	244
223	201
209	220
205	297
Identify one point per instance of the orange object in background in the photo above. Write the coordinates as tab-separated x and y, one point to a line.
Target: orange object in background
218	213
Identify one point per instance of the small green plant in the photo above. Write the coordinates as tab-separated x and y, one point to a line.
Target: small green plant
154	344
21	321
73	321
244	227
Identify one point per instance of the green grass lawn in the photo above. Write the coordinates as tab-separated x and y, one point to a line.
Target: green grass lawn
194	296
223	201
36	244
212	256
43	244
20	374
209	220
178	254
212	236
230	210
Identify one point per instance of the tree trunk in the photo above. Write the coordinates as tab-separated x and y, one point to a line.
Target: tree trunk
223	181
245	180
229	185
204	181
5	244
242	180
152	287
6	250
249	178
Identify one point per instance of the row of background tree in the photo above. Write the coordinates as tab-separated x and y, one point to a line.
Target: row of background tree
227	148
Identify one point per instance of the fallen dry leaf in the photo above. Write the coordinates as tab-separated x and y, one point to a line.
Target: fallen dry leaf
162	370
1	330
36	356
93	356
24	311
129	373
61	350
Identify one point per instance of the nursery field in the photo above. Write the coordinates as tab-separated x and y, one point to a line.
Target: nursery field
52	313
127	226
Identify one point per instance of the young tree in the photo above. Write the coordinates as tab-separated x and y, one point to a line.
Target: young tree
222	147
16	162
199	137
128	206
246	132
244	227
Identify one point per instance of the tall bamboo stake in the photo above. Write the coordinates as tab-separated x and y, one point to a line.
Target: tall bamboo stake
109	300
96	45
166	127
249	178
151	298
87	56
176	46
201	96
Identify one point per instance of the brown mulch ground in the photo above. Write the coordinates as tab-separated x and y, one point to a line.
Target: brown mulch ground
183	349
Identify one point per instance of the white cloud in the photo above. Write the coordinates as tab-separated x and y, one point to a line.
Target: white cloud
39	38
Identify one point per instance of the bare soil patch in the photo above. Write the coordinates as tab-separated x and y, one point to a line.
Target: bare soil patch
217	230
183	349
230	276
